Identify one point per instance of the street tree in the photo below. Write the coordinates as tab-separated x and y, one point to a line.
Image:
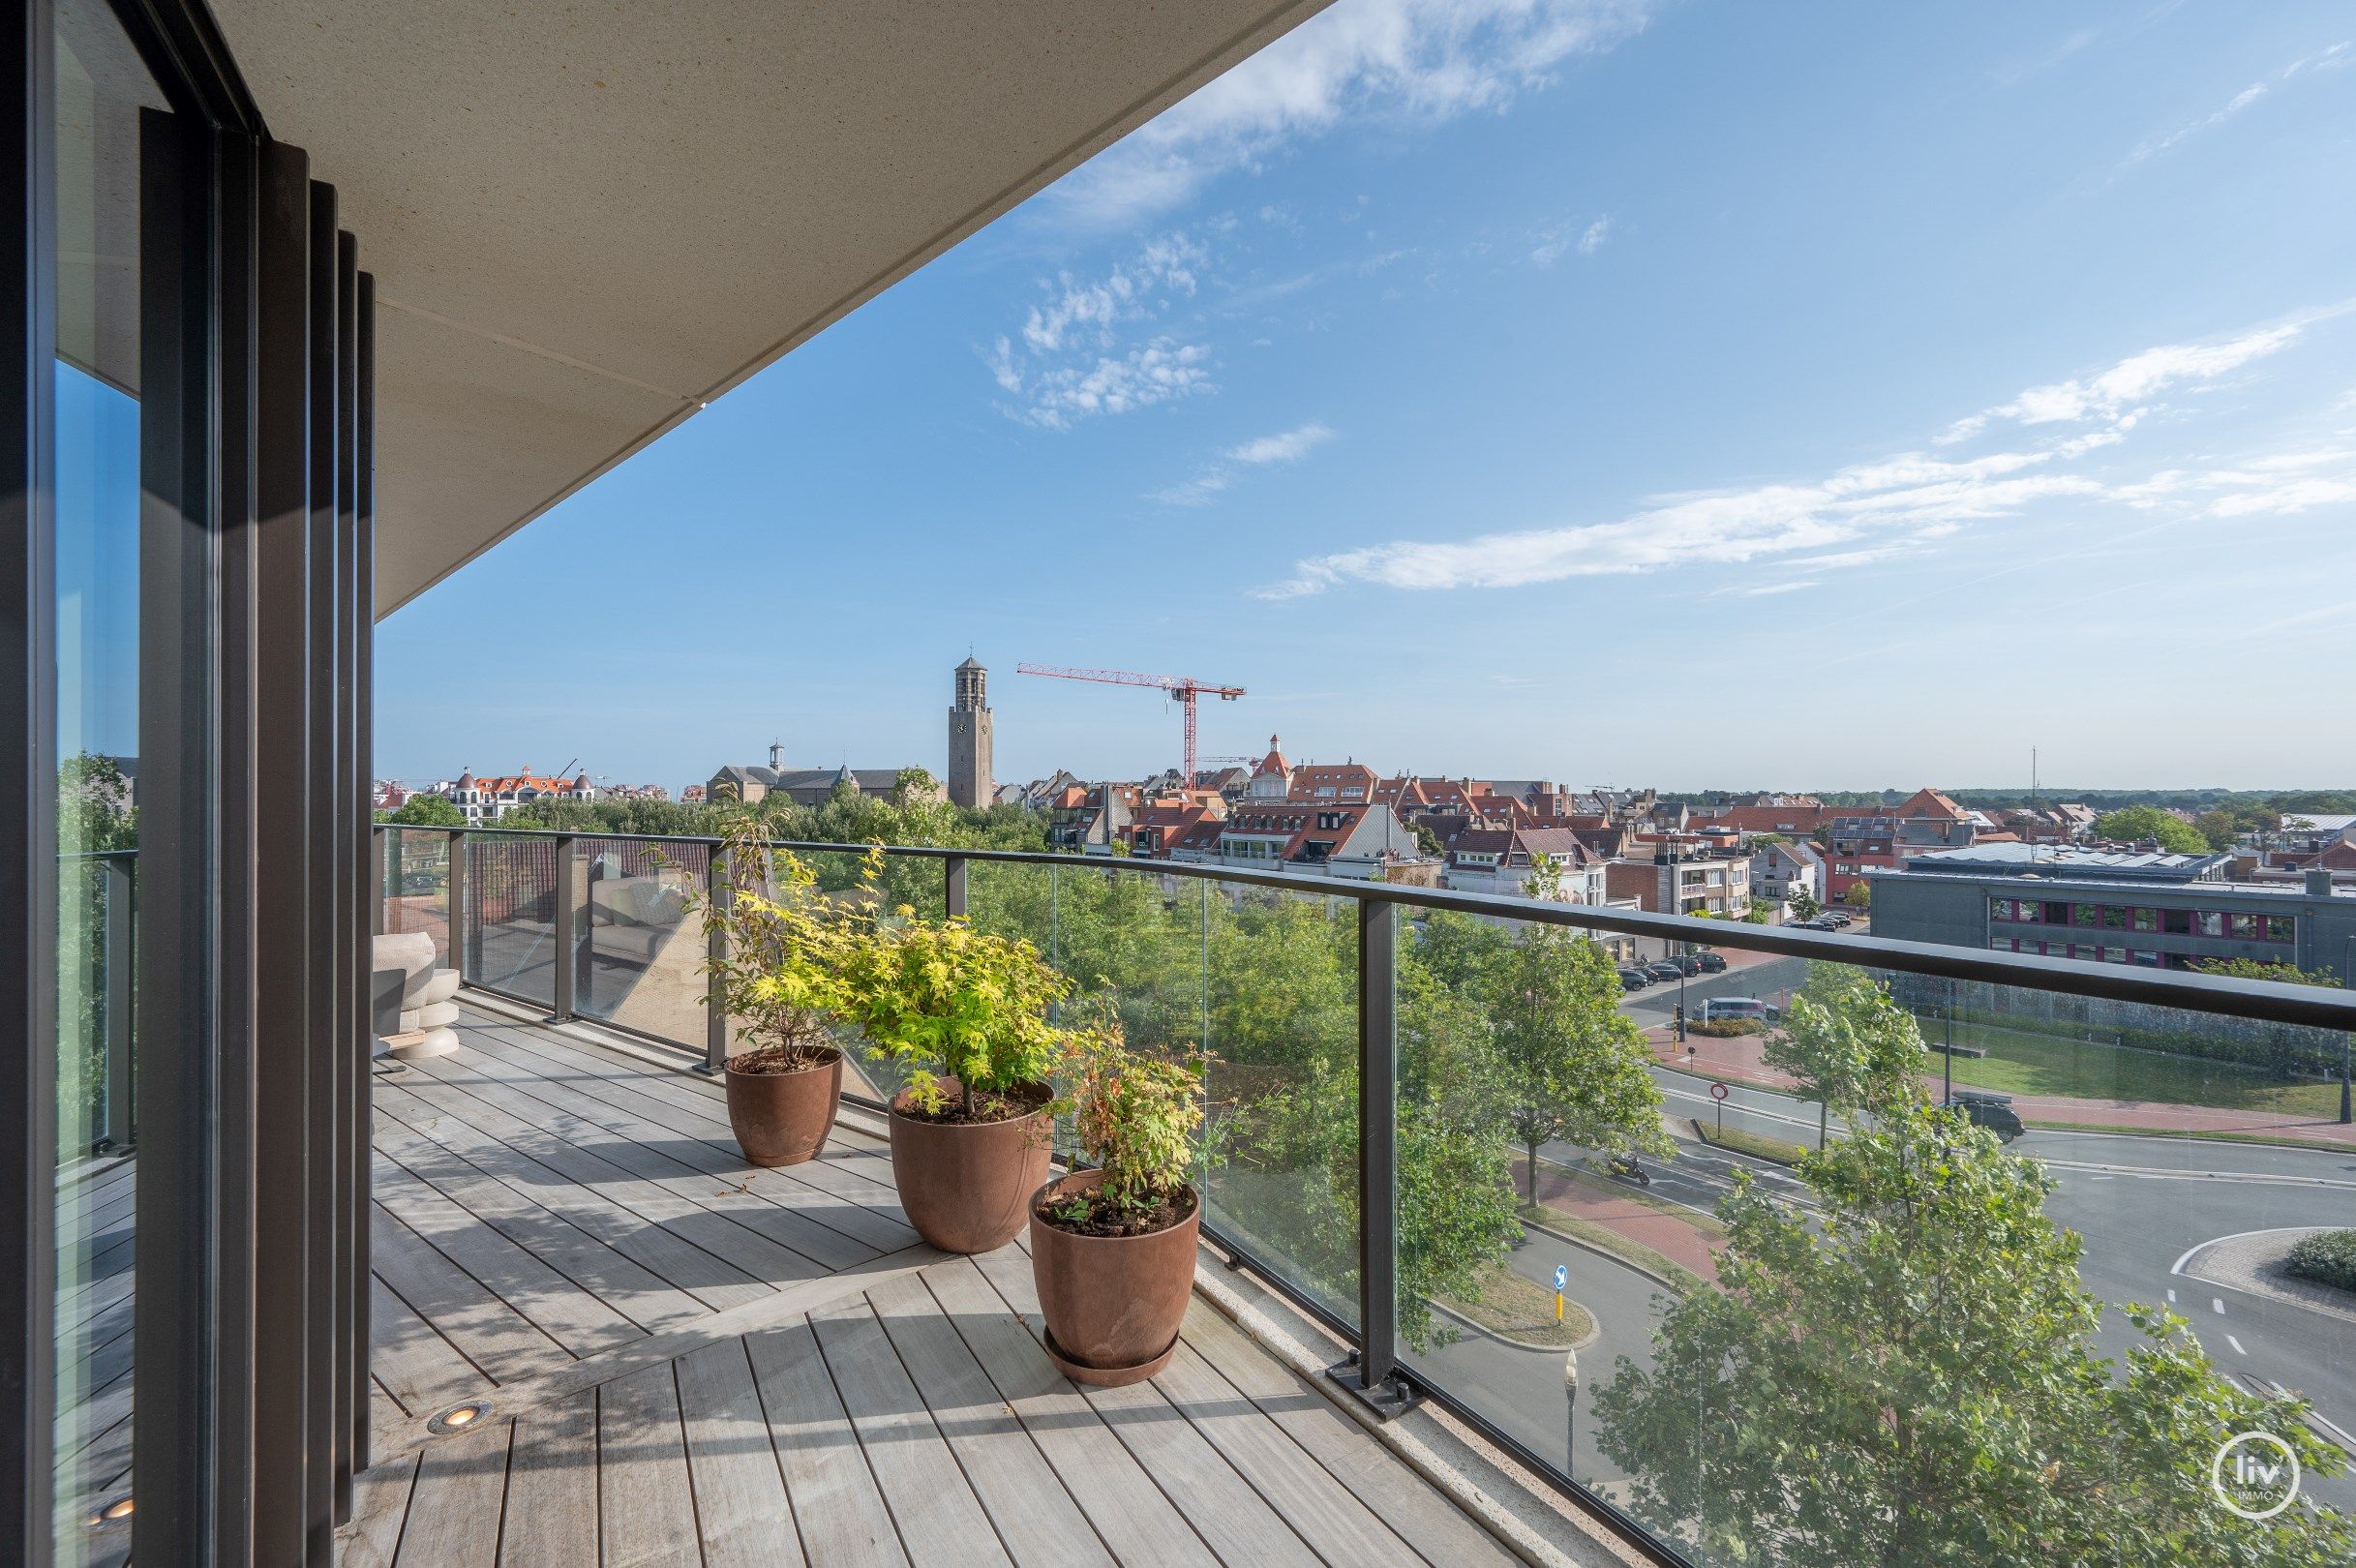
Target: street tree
1908	1374
1847	1043
2172	833
1573	1066
425	810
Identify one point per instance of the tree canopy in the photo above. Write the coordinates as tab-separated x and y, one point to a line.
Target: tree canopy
2135	823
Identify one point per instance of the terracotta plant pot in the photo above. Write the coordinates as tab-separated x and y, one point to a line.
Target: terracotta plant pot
1113	1303
966	1187
783	1118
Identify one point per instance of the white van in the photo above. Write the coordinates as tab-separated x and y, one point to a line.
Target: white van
1734	1007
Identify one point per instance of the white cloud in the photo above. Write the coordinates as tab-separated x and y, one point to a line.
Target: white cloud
1285	447
2331	59
1070	361
1422	59
1871	512
1557	242
1260	452
2113	394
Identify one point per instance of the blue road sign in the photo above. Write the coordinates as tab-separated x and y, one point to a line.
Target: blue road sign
1562	1275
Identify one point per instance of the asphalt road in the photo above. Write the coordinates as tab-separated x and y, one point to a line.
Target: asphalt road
2138	1203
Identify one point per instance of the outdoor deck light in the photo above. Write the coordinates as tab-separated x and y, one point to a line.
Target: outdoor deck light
458	1418
113	1511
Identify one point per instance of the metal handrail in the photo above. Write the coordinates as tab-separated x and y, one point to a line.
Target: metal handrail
2276	1002
1371	1373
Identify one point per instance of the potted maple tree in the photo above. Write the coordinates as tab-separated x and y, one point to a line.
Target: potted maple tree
1112	1248
967	1010
780	963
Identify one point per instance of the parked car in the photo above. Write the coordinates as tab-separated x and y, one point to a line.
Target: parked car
1838	918
1664	971
1634	979
1686	963
1712	963
1819	924
1992	1111
1734	1007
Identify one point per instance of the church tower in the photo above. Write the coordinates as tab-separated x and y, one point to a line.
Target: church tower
969	740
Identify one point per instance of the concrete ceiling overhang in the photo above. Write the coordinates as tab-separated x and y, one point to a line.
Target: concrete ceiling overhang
586	221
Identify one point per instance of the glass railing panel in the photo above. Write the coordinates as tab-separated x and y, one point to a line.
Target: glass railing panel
1780	1336
1281	1000
510	916
416	883
639	938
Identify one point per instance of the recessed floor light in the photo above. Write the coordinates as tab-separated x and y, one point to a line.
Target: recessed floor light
113	1511
460	1418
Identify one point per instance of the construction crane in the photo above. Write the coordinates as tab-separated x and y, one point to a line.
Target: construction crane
1185	688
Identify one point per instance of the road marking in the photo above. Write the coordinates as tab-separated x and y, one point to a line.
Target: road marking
2217	1303
2237	1346
2171	1295
2178	1267
2103	1178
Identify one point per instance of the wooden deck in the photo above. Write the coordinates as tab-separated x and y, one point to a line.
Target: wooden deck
690	1362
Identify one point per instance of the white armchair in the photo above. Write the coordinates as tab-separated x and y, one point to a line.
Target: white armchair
414	1021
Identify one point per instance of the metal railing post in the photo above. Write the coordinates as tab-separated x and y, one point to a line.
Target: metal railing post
456	878
121	962
1371	1375
716	883
954	886
560	980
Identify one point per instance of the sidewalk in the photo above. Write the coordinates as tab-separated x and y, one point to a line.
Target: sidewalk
1665	1233
1737	1059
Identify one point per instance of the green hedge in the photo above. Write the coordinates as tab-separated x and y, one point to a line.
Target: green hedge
1722	1028
2328	1256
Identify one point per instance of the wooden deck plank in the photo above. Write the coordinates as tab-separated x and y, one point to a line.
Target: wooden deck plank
683	1167
1036	1517
380	1507
630	1288
1337	1525
551	1487
454	1509
812	1222
741	1505
419	1369
1129	1512
586	1190
848	1198
843	1520
1224	1508
1430	1521
603	1165
497	1338
559	1309
643	1493
940	1520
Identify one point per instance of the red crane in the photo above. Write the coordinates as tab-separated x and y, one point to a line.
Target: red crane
1183	687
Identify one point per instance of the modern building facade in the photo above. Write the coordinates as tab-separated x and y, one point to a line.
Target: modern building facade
305	308
2157	911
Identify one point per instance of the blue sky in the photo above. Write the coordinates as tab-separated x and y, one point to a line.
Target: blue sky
1613	392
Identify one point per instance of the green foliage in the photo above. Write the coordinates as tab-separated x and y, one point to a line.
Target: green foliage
1571	1065
1804	904
94	810
1761	911
2328	1256
425	809
1725	1027
1134	1115
788	948
2173	833
938	994
1860	894
1910	1375
2264	970
1848	1043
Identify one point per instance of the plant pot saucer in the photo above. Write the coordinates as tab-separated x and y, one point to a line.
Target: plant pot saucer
1107	1376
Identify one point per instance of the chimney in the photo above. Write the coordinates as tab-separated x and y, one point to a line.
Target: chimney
776	756
2318	881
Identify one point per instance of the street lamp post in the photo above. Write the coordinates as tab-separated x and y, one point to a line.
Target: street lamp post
1570	1414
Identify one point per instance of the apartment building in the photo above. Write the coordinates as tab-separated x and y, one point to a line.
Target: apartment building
1675	880
2158	911
486	800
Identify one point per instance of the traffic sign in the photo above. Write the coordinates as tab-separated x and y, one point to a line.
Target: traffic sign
1562	1275
1717	1090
